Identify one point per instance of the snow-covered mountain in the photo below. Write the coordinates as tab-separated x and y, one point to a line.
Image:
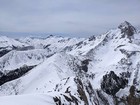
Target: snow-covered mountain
99	70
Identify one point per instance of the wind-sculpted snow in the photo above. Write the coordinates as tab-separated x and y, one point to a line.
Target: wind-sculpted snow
99	70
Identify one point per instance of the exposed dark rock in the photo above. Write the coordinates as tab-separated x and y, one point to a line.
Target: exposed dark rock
3	52
120	46
91	38
102	97
132	90
62	41
50	36
125	74
136	75
112	83
79	45
68	48
14	74
46	46
57	100
91	75
125	61
127	29
72	100
67	98
132	99
67	90
84	64
75	100
128	53
81	91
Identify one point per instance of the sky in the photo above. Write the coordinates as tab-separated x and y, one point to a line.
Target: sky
74	18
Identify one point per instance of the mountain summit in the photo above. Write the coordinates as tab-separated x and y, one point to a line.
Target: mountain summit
127	28
100	70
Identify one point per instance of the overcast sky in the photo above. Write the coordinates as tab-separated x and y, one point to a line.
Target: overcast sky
78	18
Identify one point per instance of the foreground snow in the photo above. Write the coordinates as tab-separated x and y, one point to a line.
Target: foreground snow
33	99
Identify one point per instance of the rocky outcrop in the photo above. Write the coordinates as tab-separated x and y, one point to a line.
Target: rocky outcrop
127	29
133	99
112	83
84	64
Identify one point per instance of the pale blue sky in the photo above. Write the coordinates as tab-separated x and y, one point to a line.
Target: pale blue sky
78	18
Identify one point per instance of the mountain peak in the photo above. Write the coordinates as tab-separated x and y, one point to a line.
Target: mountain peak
127	28
125	24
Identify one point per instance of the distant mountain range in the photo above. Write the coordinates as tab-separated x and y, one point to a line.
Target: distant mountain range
99	70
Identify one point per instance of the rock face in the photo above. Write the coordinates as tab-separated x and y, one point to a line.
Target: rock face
100	70
84	65
111	83
127	29
132	98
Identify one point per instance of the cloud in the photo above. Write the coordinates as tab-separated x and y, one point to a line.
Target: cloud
77	17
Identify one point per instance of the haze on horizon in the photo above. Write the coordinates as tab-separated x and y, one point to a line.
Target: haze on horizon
79	18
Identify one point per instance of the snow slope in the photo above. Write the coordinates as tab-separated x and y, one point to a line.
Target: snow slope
34	99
